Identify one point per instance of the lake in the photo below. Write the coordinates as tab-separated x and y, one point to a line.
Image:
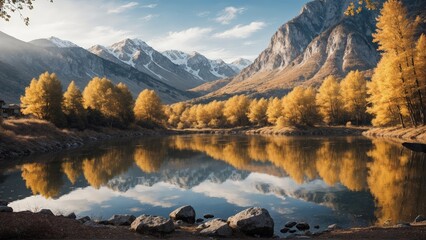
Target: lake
351	181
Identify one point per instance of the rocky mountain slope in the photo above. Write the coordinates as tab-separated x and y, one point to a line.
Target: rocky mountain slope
136	53
21	61
204	68
319	42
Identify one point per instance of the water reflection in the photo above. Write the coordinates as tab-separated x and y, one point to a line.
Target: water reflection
353	176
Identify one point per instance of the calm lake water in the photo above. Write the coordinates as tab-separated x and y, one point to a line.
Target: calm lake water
351	181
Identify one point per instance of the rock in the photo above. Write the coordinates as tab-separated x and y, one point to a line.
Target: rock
302	226
285	230
84	219
216	228
122	219
402	225
290	224
207	216
152	224
93	224
420	218
253	221
316	226
201	227
4	203
104	222
6	209
333	227
47	212
292	231
71	216
199	220
308	233
185	213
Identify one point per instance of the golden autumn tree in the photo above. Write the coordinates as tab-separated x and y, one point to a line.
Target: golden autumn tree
353	89
257	112
274	111
235	110
329	100
73	107
125	104
300	108
174	113
420	63
43	99
149	109
395	36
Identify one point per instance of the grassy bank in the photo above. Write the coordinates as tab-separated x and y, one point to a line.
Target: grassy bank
23	137
398	133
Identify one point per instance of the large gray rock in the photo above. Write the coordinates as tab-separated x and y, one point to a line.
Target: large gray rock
185	213
152	224
216	228
122	220
253	221
5	209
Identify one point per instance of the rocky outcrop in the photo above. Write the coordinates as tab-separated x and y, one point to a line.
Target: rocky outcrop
185	213
122	219
216	228
152	224
6	209
253	222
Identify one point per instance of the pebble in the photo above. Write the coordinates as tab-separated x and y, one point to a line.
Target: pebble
207	216
285	230
290	224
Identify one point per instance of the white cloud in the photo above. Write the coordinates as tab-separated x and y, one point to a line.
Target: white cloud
241	31
123	8
185	40
148	17
228	14
153	5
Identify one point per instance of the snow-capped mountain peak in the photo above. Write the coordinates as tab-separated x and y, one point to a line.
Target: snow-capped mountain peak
239	64
61	43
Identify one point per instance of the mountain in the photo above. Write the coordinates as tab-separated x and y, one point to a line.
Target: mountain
21	61
136	53
239	64
200	66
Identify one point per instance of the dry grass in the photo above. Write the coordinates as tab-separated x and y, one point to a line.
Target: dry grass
22	137
408	134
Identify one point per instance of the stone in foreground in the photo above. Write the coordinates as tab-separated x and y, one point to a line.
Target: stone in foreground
290	224
185	213
5	209
420	218
216	228
302	226
122	219
152	224
47	212
207	216
71	216
4	203
253	221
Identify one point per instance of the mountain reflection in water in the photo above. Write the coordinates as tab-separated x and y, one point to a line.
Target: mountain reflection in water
353	181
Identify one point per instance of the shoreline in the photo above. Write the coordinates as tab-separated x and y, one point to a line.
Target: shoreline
22	225
24	137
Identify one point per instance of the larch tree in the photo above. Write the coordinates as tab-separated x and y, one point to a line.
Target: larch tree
329	100
300	108
236	109
43	99
126	104
395	36
274	110
257	112
353	89
149	109
73	107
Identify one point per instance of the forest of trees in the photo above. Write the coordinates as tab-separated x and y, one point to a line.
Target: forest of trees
395	95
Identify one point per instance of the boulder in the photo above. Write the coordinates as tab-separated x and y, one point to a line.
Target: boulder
420	218
199	220
207	216
302	226
292	231
253	221
71	216
93	224
6	209
122	219
316	226
185	213
84	219
333	227
216	228
285	230
290	224
152	224
47	212
4	203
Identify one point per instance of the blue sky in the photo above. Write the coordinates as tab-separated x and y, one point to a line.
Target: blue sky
226	29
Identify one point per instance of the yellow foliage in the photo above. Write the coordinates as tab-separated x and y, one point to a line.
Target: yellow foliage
257	112
329	100
73	106
148	108
300	108
274	111
353	90
42	179
236	109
